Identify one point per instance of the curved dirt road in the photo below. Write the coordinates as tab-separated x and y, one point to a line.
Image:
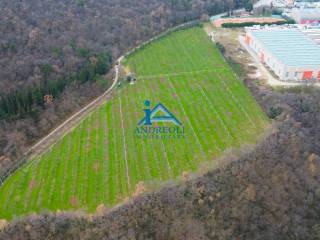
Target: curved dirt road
71	122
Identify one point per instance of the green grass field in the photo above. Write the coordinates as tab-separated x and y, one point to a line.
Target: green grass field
101	160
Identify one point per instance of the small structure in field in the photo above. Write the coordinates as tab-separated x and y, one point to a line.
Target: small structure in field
131	78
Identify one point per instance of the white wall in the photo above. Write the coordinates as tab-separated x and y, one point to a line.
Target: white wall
269	59
280	69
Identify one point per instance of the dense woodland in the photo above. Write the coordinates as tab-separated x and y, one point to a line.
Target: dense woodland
54	56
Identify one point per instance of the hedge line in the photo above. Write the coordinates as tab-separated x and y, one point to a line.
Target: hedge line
250	24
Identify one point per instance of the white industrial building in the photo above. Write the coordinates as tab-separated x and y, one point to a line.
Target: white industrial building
306	15
290	53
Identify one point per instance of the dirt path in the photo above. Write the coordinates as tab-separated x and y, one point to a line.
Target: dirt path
68	125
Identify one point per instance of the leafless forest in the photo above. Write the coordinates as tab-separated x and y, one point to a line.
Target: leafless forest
269	192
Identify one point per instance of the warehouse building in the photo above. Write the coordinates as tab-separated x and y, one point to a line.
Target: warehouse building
313	33
288	52
306	15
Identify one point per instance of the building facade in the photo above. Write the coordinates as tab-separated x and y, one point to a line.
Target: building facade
306	15
289	53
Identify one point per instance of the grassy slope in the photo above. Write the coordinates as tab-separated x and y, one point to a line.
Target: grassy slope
101	161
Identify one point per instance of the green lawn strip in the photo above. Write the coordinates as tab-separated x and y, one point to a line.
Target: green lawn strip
190	153
137	107
168	58
65	194
246	98
204	52
160	153
91	163
69	197
80	178
23	186
120	173
45	191
188	69
186	51
6	209
215	131
175	159
190	120
86	161
148	145
229	111
245	116
176	65
101	161
151	144
59	193
7	198
124	145
113	159
44	187
210	55
98	165
234	98
170	147
194	56
184	55
233	113
106	109
129	126
180	155
191	60
42	170
77	166
135	113
170	96
56	165
219	115
200	121
159	156
15	201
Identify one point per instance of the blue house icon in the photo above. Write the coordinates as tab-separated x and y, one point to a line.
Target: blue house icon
150	115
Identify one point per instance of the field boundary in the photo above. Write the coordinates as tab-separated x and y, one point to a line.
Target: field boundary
69	124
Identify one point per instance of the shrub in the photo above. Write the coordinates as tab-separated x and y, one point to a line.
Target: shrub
250	24
275	112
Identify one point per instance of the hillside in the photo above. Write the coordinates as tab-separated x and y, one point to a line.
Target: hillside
109	178
108	156
268	192
54	54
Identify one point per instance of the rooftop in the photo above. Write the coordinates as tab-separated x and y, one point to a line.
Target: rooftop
307	13
290	46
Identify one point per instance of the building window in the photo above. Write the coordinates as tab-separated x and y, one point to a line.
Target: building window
296	74
287	74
